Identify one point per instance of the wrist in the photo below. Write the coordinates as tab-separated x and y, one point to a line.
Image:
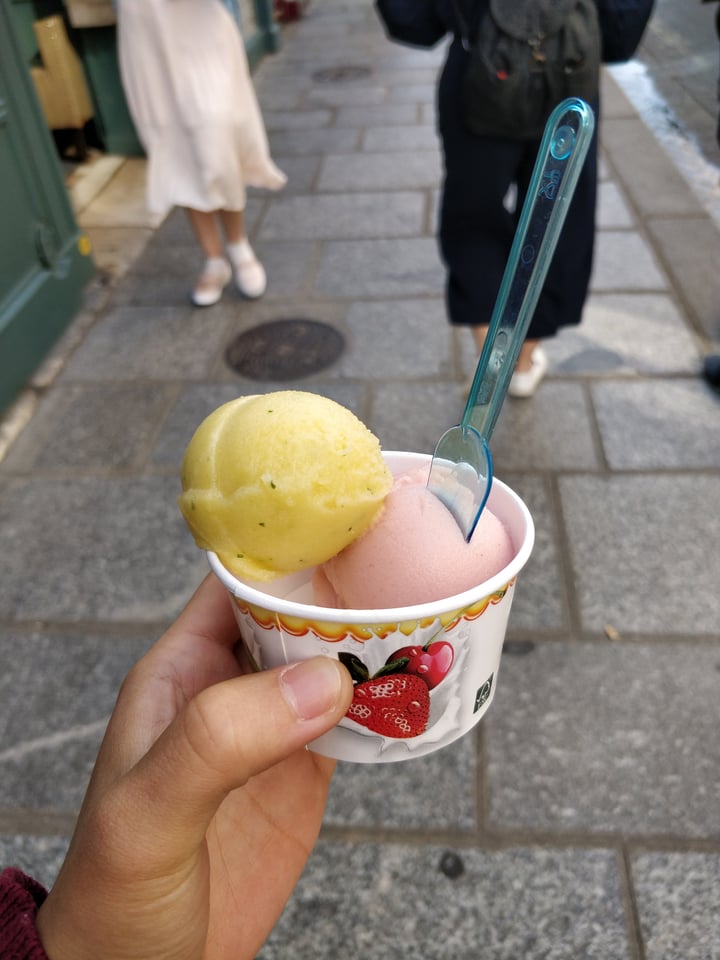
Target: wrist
20	898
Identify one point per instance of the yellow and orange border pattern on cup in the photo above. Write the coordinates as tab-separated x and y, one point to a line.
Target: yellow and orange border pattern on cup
335	632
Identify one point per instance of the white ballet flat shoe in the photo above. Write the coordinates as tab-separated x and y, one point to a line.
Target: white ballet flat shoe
250	277
212	281
525	383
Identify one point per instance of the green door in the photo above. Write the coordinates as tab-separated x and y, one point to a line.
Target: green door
44	258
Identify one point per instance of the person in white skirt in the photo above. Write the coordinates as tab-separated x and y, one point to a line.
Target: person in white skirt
192	100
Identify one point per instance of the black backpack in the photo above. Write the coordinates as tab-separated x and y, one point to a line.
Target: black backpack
525	56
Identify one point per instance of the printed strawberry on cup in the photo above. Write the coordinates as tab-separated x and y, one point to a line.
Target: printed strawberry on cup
328	546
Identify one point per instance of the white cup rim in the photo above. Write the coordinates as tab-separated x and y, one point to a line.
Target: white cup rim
500	492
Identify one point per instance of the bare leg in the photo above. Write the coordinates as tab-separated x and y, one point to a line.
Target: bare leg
479	335
207	232
216	272
249	272
233	222
524	362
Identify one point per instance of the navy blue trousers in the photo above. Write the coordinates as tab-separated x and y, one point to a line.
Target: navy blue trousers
477	231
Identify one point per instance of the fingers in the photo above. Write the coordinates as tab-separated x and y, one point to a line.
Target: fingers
207	616
195	652
227	734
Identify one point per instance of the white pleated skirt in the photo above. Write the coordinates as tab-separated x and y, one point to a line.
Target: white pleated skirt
192	100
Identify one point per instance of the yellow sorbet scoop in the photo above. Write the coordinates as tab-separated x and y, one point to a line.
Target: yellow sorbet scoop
279	482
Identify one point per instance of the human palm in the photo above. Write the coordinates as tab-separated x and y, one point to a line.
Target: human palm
203	806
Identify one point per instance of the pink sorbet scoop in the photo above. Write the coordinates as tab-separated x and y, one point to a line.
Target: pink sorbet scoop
414	553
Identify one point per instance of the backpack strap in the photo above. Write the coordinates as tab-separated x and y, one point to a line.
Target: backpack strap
463	27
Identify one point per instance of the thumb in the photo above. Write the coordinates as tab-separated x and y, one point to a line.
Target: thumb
224	736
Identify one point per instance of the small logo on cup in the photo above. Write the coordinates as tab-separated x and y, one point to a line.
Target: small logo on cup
483	693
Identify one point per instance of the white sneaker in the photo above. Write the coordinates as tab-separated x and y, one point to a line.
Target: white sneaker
212	281
525	383
250	277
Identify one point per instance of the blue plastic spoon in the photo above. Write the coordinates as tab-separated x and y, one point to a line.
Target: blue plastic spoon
461	471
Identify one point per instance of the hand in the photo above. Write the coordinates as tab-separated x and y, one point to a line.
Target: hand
203	806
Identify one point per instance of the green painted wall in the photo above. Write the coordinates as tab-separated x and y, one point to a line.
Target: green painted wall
44	256
44	260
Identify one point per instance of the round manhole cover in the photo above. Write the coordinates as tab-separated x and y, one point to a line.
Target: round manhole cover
284	349
341	74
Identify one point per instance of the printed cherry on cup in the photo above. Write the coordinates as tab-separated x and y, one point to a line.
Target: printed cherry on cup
431	663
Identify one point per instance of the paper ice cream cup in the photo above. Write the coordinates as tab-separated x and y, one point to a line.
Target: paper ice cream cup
440	694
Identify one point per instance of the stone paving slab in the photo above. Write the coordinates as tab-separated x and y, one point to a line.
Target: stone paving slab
199	400
114	247
301	172
678	896
606	737
346	216
315	52
175	230
679	241
290	266
554	432
613	210
655	424
393	339
395	901
379	115
413	93
387	139
381	171
626	333
639	545
94	548
625	261
160	292
314	142
364	268
437	792
56	706
540	604
149	342
192	406
396	77
176	258
341	96
77	428
300	119
658	189
413	415
276	94
399	57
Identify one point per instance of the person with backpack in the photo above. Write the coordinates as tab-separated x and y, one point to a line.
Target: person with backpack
486	178
508	65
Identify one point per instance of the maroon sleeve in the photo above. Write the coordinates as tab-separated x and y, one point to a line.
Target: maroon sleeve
20	897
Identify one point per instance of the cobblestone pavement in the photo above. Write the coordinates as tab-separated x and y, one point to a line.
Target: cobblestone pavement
585	808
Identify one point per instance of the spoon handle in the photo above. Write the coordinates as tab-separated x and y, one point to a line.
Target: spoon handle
562	151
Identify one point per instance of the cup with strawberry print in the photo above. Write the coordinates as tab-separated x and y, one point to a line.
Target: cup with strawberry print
423	675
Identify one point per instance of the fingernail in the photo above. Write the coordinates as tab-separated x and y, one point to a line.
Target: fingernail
311	687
